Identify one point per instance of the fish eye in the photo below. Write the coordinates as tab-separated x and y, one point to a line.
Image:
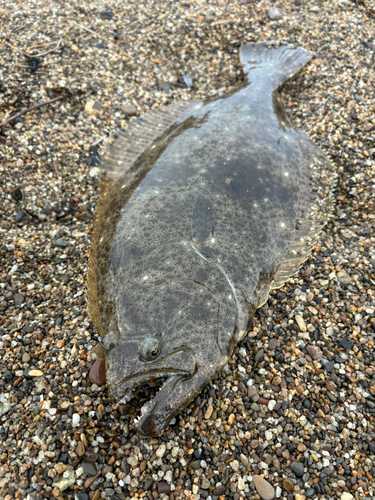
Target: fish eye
150	349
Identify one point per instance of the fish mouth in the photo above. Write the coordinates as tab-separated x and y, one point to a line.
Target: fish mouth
171	370
155	414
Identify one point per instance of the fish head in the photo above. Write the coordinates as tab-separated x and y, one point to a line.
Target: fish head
167	327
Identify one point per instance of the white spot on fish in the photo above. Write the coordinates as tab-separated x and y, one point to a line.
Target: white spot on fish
255	205
123	186
282	224
213	240
286	174
145	277
265	199
230	297
101	239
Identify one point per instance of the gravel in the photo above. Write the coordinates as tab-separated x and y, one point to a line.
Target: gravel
300	387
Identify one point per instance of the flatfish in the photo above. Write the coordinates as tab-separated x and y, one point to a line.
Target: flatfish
204	208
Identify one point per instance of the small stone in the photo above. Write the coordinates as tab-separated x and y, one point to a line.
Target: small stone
231	419
297	468
346	496
89	468
272	344
241	484
259	356
163	487
18	299
55	492
244	460
346	344
75	420
19	217
97	372
288	484
274	14
263	487
328	365
35	373
220	490
208	412
67	480
301	323
160	451
251	392
271	404
80	449
314	352
343	277
301	447
93	108
205	483
129	109
299	496
25	357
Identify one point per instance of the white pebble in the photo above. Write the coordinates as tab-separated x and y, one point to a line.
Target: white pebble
75	419
271	404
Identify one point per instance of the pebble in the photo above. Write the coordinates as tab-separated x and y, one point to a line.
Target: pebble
297	468
314	352
160	451
97	372
346	496
80	449
19	216
26	358
129	109
35	373
301	323
67	480
89	468
75	420
18	299
244	460
288	484
343	277
263	487
274	14
163	487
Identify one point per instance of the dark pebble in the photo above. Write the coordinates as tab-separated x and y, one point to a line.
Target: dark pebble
346	344
297	468
19	217
82	496
163	487
89	468
220	490
97	372
63	458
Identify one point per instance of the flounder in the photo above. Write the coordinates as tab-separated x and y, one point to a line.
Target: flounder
205	207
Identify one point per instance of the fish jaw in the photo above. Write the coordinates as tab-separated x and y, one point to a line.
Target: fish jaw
175	395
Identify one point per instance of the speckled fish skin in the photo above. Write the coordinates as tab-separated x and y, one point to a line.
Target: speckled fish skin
223	206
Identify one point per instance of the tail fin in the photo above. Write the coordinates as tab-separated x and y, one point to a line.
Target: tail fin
281	63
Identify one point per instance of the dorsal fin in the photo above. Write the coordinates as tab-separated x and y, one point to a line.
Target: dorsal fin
316	200
124	146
